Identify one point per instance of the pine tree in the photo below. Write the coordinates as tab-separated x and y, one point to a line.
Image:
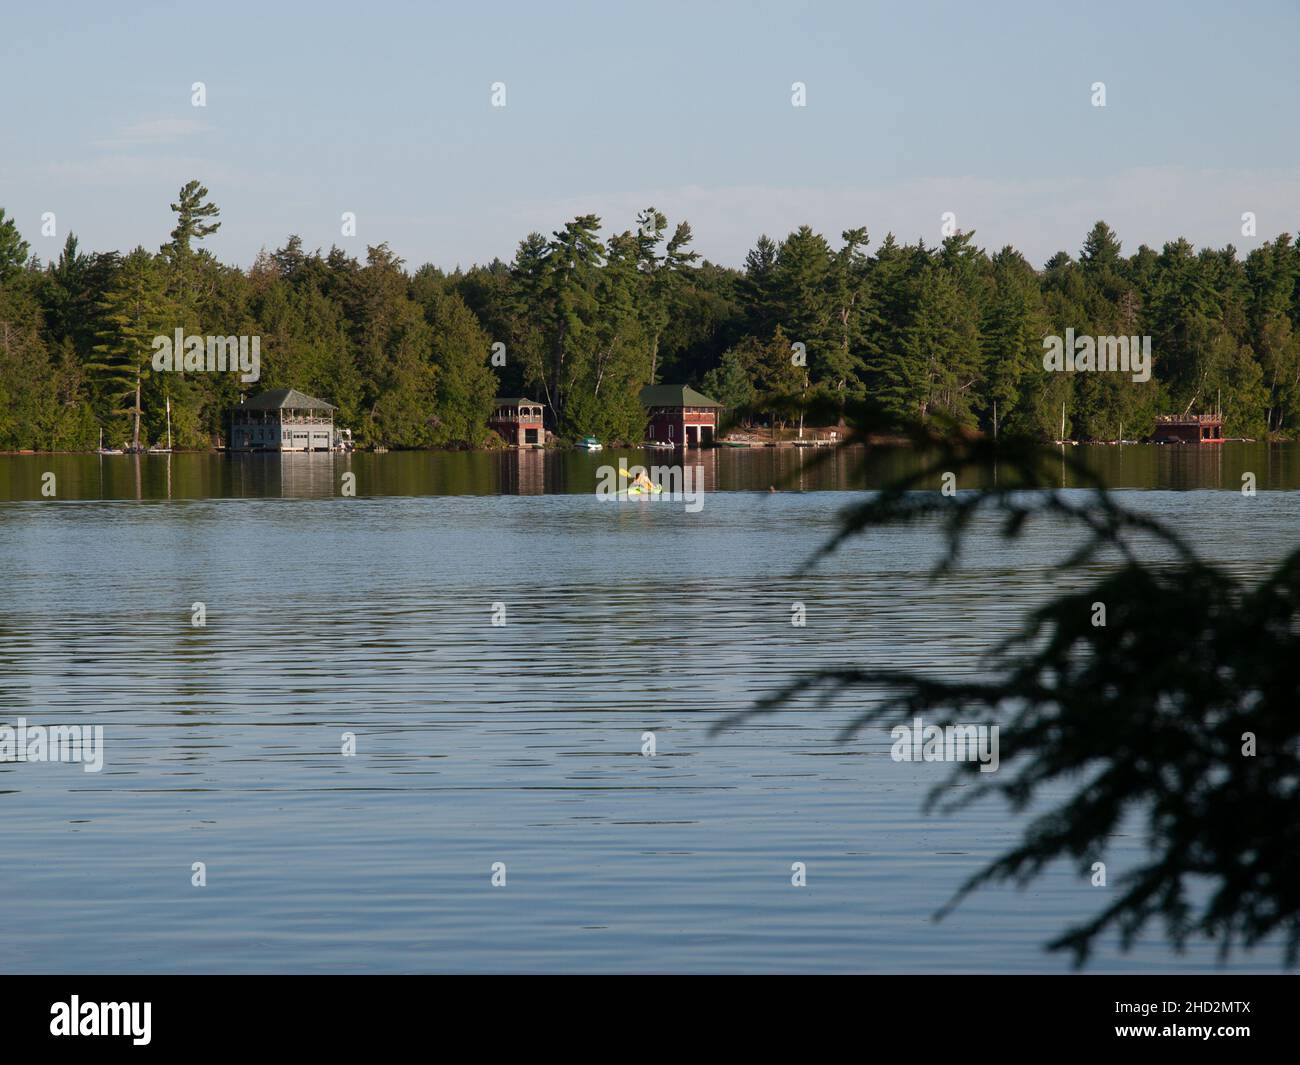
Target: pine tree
1011	340
192	209
135	310
465	385
731	383
13	249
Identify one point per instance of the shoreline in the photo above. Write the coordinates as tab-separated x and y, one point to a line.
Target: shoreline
901	443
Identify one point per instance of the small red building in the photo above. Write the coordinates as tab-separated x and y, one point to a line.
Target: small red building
1188	429
680	416
519	421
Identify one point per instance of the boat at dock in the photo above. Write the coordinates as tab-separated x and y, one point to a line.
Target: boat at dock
155	450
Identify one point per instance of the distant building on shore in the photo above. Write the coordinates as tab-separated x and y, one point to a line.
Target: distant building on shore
518	420
282	419
1188	429
680	416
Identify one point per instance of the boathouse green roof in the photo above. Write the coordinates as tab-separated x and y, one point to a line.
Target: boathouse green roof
675	396
286	398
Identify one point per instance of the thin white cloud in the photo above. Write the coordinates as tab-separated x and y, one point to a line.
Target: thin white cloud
262	205
1038	217
135	171
151	133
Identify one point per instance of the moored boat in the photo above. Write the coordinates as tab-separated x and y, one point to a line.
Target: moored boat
156	450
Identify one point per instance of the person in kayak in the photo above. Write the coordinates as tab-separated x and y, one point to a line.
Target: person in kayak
642	482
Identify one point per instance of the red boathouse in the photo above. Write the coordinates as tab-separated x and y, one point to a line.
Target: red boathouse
680	416
519	421
1188	429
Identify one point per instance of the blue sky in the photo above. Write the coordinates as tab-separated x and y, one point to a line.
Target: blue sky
913	109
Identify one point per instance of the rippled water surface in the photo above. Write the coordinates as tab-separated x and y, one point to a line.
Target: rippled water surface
517	743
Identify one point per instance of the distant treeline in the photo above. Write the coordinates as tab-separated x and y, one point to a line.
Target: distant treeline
414	359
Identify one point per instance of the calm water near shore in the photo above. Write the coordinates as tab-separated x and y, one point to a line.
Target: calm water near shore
422	473
518	743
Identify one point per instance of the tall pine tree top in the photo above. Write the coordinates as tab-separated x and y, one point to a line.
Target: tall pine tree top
191	209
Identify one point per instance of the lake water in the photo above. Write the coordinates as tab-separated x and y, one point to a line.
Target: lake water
517	743
209	476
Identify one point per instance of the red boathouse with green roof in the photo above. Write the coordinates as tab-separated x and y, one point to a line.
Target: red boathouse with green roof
680	416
